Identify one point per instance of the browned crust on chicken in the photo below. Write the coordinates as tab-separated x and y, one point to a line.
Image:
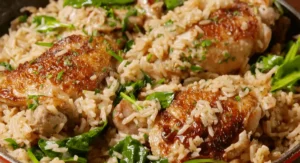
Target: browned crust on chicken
231	122
69	64
230	20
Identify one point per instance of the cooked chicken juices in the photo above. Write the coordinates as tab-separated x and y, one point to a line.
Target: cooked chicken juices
73	64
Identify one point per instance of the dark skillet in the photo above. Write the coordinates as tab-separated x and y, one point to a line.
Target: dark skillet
10	9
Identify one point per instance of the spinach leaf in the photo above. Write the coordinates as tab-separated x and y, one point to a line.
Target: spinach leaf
32	156
23	18
129	99
171	4
7	66
204	161
82	142
288	72
164	98
48	23
81	3
131	12
115	55
137	86
128	45
270	61
287	81
132	151
12	143
43	143
292	51
36	152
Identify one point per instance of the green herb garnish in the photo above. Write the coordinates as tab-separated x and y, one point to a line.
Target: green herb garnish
23	18
131	12
97	3
115	55
32	102
164	98
48	23
171	4
47	44
12	142
7	66
60	75
206	43
196	68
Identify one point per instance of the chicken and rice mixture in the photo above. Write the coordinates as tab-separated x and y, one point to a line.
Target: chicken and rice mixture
149	81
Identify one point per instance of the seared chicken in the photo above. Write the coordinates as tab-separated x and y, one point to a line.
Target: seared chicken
198	115
236	33
73	64
218	40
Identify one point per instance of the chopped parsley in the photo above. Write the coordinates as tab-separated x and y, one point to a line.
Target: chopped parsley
84	31
115	55
97	91
236	13
7	66
168	23
112	23
23	18
67	62
12	143
160	81
60	75
125	21
149	56
47	44
206	43
49	76
131	100
128	45
196	68
32	102
237	98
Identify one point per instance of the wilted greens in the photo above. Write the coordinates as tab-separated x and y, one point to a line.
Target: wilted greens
7	66
136	88
164	98
48	24
78	145
12	142
288	72
133	152
171	4
82	3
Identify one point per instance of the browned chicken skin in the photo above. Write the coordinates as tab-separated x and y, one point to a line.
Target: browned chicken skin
73	64
231	122
236	34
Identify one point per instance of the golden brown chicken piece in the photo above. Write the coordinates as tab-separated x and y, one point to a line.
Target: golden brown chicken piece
73	64
236	34
199	124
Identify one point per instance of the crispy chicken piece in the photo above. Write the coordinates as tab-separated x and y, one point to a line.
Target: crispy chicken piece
213	129
73	64
236	34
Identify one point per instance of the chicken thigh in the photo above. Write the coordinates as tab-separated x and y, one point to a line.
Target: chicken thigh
203	122
73	64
